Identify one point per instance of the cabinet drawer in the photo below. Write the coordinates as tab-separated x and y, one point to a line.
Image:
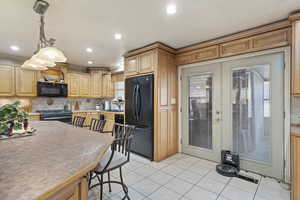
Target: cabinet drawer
236	47
198	55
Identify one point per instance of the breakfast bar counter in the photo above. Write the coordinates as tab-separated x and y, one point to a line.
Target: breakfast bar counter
51	164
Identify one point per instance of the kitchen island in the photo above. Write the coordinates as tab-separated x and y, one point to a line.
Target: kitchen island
52	164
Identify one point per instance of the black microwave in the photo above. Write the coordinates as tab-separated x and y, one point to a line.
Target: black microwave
48	89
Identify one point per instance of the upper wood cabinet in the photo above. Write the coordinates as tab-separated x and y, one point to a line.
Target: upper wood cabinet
26	82
73	84
84	85
147	62
296	55
7	81
107	86
96	84
131	66
140	64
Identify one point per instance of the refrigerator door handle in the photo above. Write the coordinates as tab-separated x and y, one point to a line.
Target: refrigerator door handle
134	102
139	102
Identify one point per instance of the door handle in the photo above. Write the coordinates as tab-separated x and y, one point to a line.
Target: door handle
219	116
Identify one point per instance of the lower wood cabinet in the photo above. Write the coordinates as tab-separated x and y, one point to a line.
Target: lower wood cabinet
110	121
78	190
295	143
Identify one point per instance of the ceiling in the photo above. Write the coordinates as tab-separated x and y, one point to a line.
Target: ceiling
78	24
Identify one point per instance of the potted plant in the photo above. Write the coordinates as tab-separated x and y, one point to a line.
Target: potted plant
11	118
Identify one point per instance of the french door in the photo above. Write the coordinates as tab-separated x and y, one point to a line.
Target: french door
239	106
201	92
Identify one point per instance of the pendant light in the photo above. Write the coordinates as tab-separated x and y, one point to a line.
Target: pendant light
46	55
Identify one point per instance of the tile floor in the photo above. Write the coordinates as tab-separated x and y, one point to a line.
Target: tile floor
187	178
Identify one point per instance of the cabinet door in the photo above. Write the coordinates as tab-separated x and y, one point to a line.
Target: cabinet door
7	81
96	84
84	85
296	58
131	66
107	86
147	62
73	85
25	82
295	167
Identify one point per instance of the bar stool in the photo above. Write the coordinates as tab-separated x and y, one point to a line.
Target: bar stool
117	156
78	121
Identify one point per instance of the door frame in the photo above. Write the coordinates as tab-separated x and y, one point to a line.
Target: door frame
287	87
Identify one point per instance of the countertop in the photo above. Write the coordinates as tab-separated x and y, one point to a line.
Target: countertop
57	154
295	130
101	111
79	111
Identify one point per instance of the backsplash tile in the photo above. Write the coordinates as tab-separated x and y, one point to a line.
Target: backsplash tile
40	103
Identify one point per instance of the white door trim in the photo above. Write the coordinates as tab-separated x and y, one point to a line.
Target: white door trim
287	76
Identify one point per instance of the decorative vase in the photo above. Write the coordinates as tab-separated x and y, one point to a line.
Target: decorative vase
11	128
25	124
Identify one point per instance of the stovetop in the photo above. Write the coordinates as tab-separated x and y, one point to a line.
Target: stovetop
54	112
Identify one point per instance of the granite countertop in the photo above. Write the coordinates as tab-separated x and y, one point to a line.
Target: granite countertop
32	166
102	111
295	130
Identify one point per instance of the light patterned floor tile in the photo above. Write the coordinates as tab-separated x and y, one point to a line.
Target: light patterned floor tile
164	194
211	185
179	186
234	193
197	193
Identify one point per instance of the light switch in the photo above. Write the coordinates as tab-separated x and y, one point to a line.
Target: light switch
173	101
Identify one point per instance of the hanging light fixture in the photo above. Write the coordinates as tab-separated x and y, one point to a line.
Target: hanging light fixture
46	55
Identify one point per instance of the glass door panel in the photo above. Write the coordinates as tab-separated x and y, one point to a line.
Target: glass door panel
201	104
251	113
253	109
200	111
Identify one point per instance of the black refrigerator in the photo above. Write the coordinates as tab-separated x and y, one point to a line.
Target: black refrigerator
139	112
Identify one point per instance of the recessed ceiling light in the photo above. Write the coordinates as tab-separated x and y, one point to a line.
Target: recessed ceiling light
89	50
171	9
118	36
90	62
14	48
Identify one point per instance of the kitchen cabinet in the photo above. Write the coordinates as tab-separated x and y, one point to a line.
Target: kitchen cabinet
26	82
109	120
131	66
107	86
7	81
96	83
77	190
295	54
141	64
295	144
159	60
79	84
73	85
84	85
147	62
